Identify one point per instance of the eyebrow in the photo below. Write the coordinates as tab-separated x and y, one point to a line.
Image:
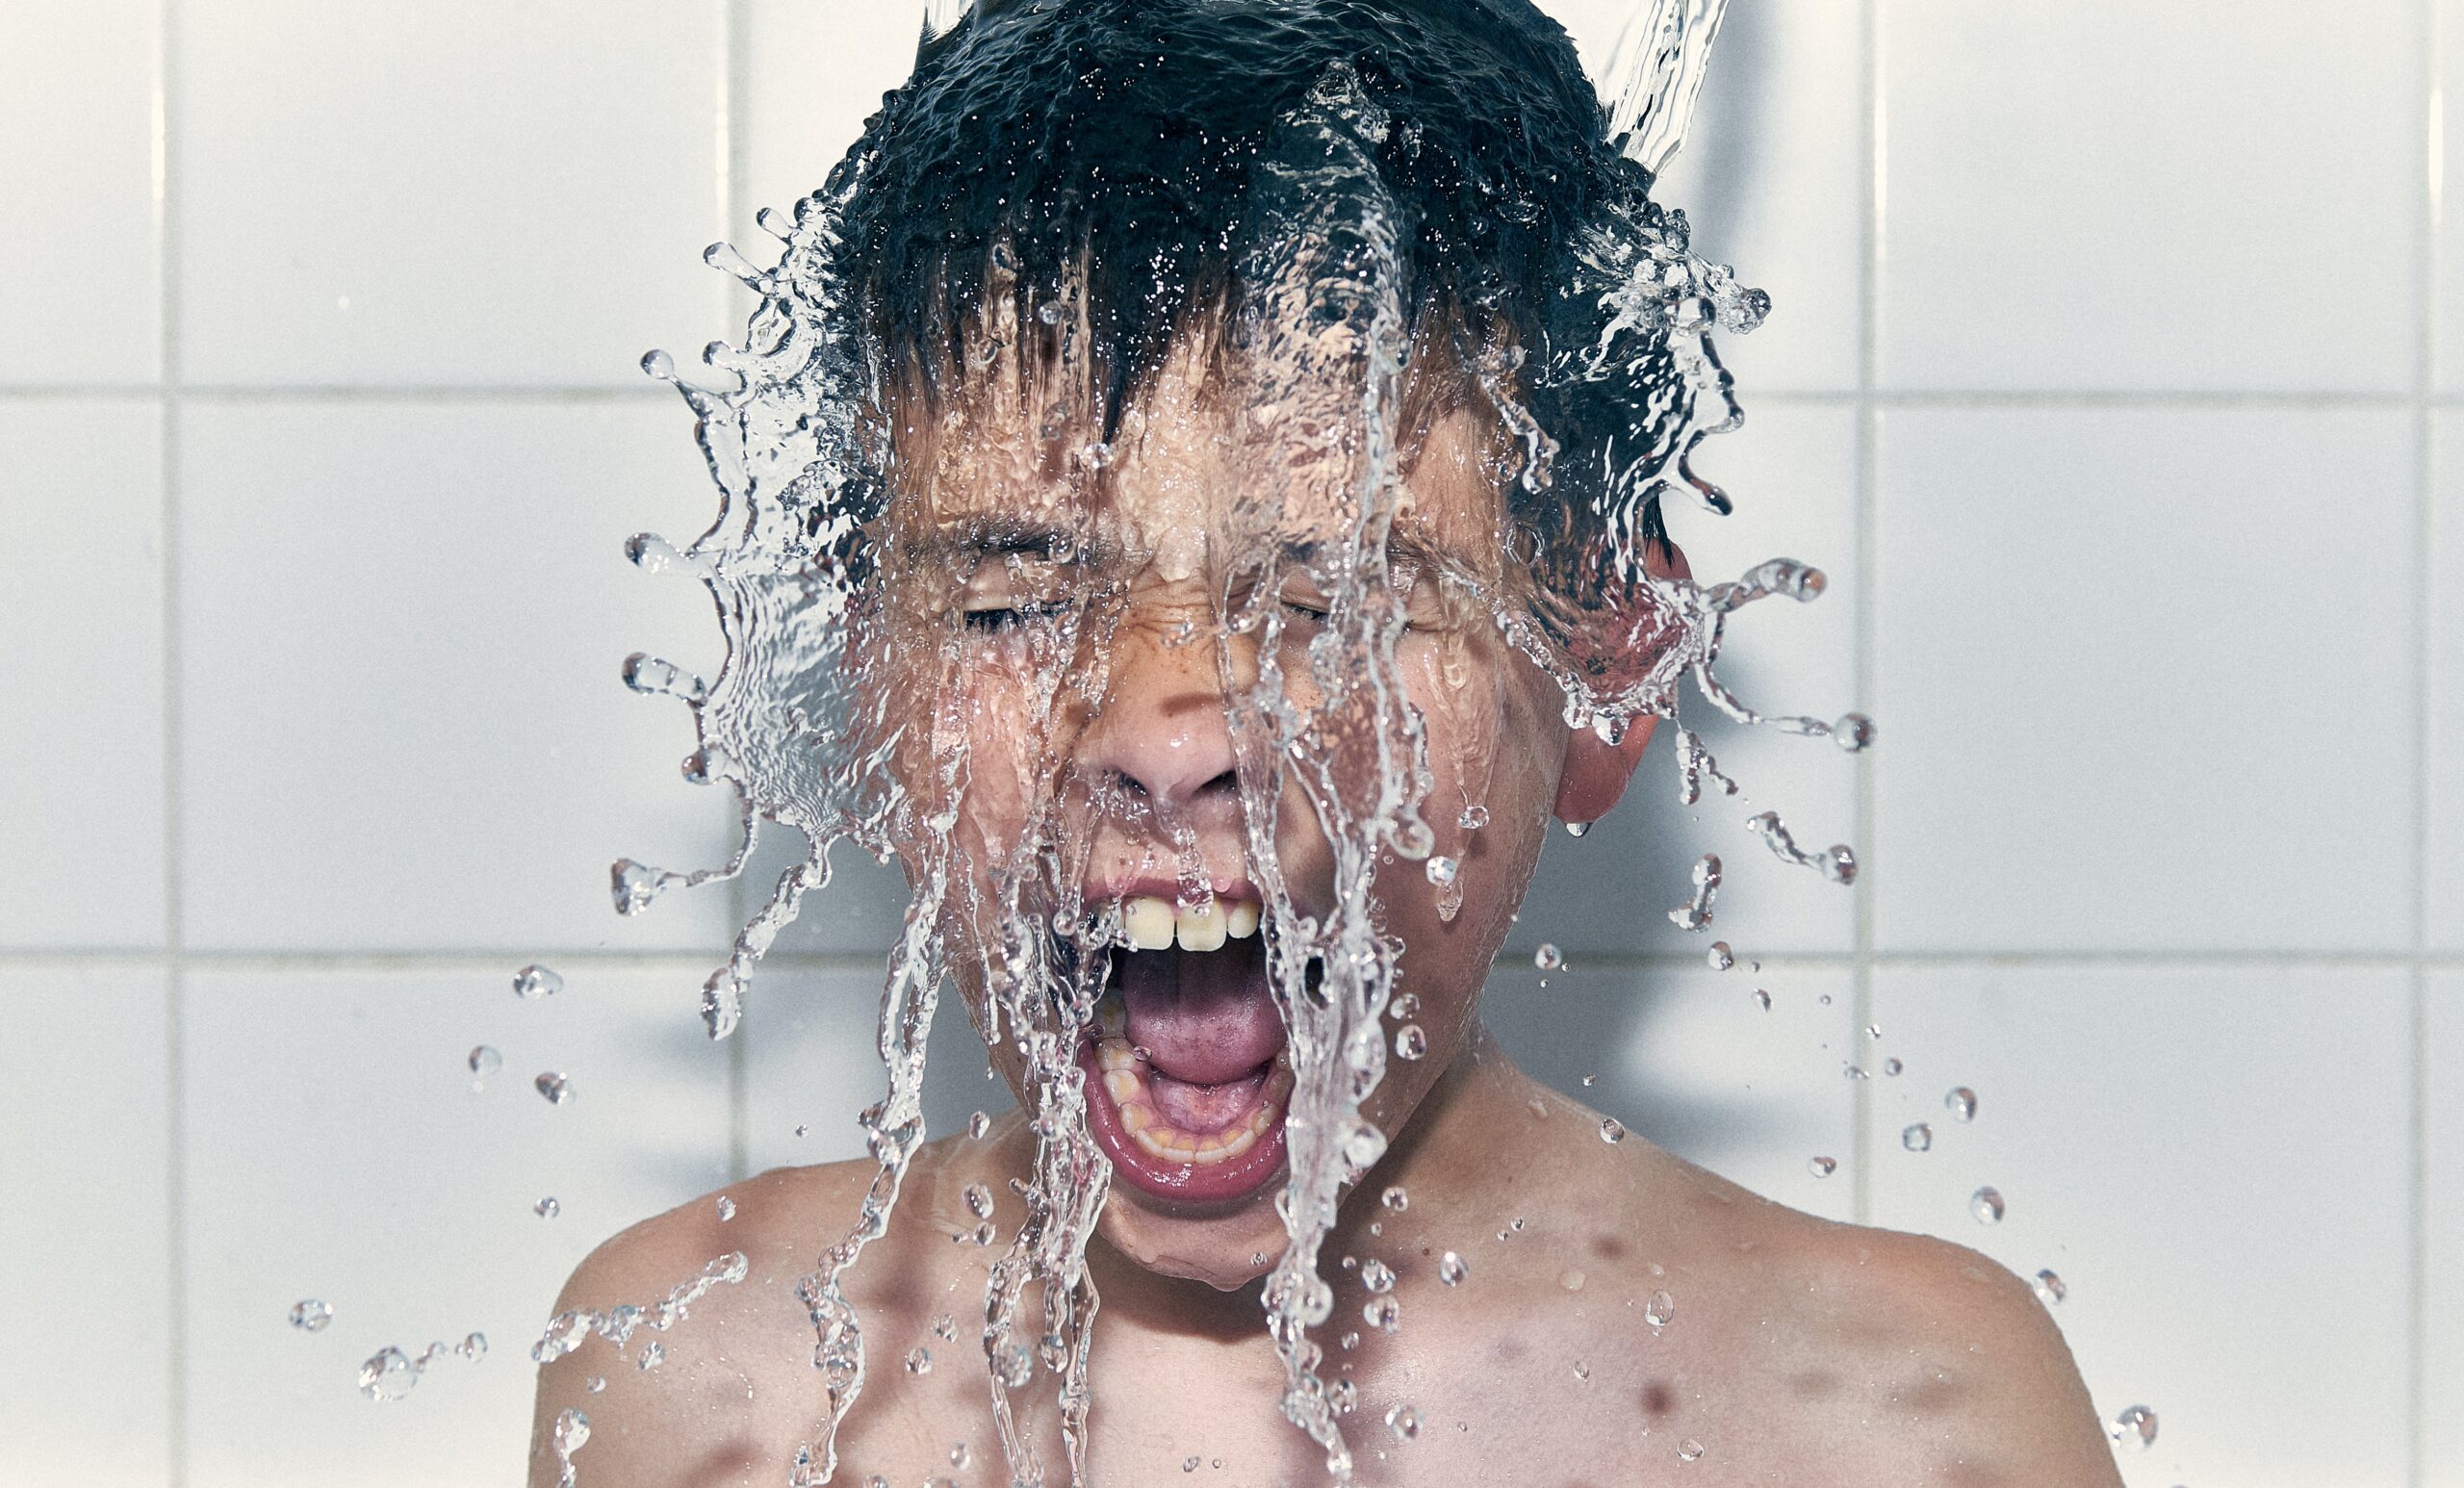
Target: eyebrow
1002	535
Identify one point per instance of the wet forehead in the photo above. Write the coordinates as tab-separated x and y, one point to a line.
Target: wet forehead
1009	476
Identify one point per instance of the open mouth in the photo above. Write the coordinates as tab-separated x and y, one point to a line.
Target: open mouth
1187	1077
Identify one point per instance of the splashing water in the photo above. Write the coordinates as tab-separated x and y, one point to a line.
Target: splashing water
570	1330
823	578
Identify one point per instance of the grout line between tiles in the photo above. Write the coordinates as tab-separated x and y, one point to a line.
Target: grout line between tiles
2424	471
167	246
1870	247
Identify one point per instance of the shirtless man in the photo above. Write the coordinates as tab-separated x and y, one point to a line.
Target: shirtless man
1573	1311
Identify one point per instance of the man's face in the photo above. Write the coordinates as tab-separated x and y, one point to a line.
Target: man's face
1078	616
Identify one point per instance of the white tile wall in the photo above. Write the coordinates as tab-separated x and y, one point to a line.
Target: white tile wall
2443	1229
402	627
2098	386
2198	195
336	1149
453	193
2444	861
80	275
81	656
2126	669
86	1228
2223	1208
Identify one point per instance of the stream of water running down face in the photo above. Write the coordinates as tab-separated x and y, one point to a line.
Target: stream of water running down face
917	671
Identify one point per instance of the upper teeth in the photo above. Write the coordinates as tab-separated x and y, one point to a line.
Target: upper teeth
1152	924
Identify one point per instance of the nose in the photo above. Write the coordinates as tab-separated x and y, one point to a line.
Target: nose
1162	734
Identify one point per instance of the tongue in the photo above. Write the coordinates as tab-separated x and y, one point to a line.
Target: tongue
1203	1017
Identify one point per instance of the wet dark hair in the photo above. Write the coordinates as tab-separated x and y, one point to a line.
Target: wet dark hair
1112	145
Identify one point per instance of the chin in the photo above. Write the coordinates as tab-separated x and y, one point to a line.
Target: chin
1226	1250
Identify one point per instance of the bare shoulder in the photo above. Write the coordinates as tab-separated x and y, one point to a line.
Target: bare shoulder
702	1398
1942	1358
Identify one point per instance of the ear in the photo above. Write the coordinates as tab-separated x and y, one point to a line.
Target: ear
1596	771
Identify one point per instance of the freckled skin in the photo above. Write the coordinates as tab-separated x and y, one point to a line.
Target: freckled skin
1798	1352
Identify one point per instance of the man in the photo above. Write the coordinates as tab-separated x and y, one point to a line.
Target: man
1235	518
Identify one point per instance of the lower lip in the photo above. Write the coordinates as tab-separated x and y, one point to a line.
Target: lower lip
1186	1183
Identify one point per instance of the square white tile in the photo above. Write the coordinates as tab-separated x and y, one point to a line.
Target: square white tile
86	1232
2447	260
1791	471
404	727
2443	895
1772	176
81	279
2206	195
812	1061
2214	1160
81	652
2132	681
337	1150
1691	1060
2443	1216
453	192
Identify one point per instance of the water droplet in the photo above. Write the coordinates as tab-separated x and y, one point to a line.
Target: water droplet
484	1062
802	1128
1762	999
1576	828
726	1209
595	1384
1721	957
1405	1005
1396	1200
1189	1463
1822	1167
1572	1279
1689	1450
554	1087
1049	312
388	1375
536	981
1961	1103
1441	870
1404	1422
1474	818
2050	1289
2133	1428
548	1208
1918	1137
919	1361
1382	1314
569	1434
1377	1275
310	1316
1452	1270
1855	1071
957	1455
1344	1395
474	1348
979	1200
1411	1041
1892	1066
1547	958
649	674
1853	732
978	1124
654	1354
1610	1131
1987	1205
1588	1081
1660	1309
1873	1030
